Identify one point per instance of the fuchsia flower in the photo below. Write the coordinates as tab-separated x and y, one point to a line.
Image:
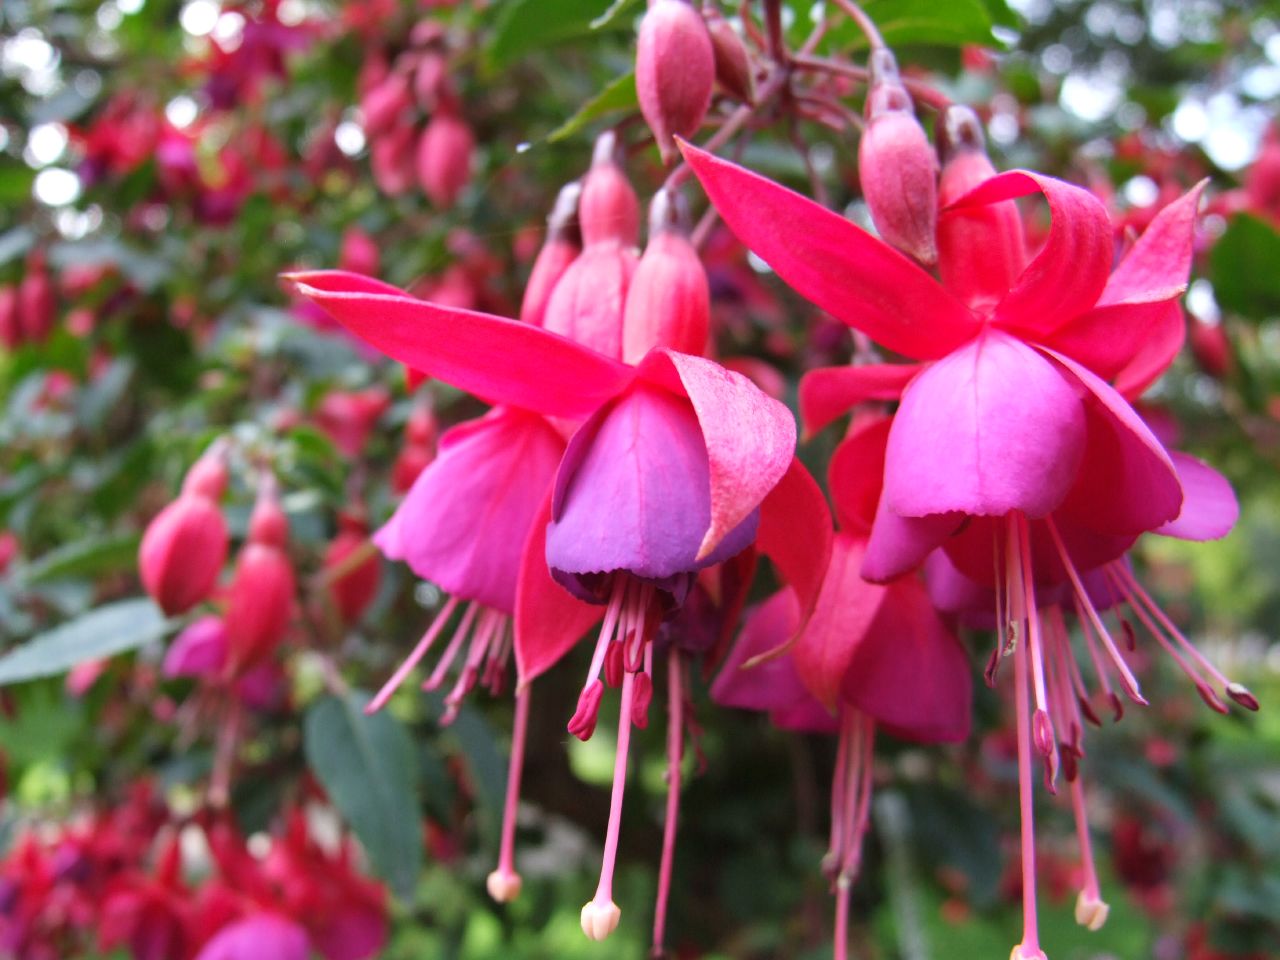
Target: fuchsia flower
1009	450
258	935
870	656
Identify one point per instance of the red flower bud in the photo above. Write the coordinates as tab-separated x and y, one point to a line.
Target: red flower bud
897	166
608	208
391	157
1210	347
36	302
563	243
260	598
382	106
185	545
734	71
444	158
981	250
359	252
431	82
675	71
669	301
10	324
588	303
353	590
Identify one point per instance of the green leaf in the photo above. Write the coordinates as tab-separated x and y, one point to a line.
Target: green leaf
1242	268
618	96
85	558
104	632
523	26
368	767
902	22
616	8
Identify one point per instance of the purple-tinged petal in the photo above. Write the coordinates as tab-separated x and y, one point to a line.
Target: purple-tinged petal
900	544
463	523
992	428
200	650
1126	483
1157	267
1209	505
854	276
549	620
499	360
830	392
1069	273
258	935
634	493
750	437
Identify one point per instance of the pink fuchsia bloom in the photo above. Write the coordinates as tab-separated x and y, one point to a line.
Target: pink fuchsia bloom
185	545
675	71
258	935
645	556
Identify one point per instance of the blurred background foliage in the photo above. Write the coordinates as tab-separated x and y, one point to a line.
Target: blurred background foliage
170	328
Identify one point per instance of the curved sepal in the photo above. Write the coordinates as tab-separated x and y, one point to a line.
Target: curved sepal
830	392
1209	505
795	533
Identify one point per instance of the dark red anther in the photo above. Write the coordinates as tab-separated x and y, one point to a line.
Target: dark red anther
583	722
642	695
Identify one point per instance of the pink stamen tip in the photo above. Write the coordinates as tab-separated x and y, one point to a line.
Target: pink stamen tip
1042	730
643	695
1130	638
992	668
1211	699
1241	695
583	722
1117	706
613	665
1089	714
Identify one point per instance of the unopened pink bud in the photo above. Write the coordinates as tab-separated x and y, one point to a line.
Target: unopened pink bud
182	553
642	696
10	324
391	158
562	246
897	166
733	64
981	249
268	525
382	106
669	300
208	476
608	208
259	604
583	722
588	303
675	71
444	158
359	252
356	586
431	83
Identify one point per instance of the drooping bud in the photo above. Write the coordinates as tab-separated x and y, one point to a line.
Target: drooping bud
608	208
431	82
354	583
981	250
359	252
1210	347
669	301
561	248
382	106
733	64
10	324
391	159
185	545
260	599
444	158
36	302
897	166
675	71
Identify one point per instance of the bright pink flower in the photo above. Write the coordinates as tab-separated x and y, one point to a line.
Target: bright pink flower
185	545
257	936
675	71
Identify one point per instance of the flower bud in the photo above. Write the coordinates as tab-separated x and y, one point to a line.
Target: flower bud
185	544
260	598
353	589
444	158
897	166
608	208
359	252
675	71
1210	347
981	250
10	323
348	417
733	64
382	106
588	303
36	302
391	157
669	300
563	243
431	84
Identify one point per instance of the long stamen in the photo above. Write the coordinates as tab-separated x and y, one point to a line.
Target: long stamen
1091	909
1099	666
1041	723
504	883
675	754
489	627
600	915
1073	668
617	597
451	651
420	651
1127	679
850	750
831	862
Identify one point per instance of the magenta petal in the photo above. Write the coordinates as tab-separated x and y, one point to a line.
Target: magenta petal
200	650
353	931
1157	266
1069	273
855	475
909	672
992	428
1209	505
749	436
900	544
795	534
854	276
1108	339
1126	483
1164	340
464	521
951	592
634	494
499	360
830	392
258	935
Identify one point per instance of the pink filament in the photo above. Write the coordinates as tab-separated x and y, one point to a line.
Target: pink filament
675	753
604	891
420	651
519	732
